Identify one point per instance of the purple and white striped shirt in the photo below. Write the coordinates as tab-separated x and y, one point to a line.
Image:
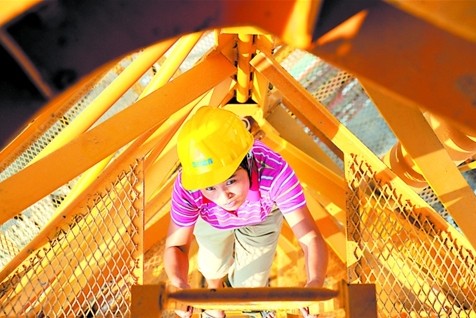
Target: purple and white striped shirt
275	183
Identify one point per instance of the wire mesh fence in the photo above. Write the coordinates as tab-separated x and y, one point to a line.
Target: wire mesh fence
88	267
419	267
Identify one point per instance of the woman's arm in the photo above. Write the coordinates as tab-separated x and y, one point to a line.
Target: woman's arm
177	246
315	248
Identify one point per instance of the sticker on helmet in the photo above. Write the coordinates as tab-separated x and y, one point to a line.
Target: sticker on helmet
202	163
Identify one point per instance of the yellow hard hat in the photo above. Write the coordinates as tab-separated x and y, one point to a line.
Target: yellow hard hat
211	146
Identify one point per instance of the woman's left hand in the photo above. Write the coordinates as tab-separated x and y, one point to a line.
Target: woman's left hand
305	310
305	313
186	312
317	283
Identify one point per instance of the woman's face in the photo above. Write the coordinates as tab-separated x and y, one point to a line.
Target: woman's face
230	194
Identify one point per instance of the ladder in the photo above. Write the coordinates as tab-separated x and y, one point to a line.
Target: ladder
357	300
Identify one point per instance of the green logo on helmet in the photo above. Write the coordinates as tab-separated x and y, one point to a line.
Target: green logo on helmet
202	163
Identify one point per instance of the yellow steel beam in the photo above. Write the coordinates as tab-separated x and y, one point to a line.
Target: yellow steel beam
332	231
310	172
159	171
157	223
285	266
403	166
359	300
53	225
123	82
23	189
111	94
338	212
227	43
460	146
49	114
169	67
418	138
468	166
304	117
104	101
454	16
320	118
13	9
289	129
245	29
243	76
327	187
158	202
414	60
293	20
138	149
260	90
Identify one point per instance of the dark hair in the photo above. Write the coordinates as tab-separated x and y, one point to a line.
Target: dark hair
246	164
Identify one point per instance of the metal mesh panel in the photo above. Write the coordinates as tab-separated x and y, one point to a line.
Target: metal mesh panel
89	266
25	226
62	118
21	229
343	95
419	268
42	298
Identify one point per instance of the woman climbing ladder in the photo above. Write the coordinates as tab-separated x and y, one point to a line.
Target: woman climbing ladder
232	195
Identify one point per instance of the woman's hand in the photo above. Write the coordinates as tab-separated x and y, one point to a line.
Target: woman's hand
305	313
305	310
316	283
185	312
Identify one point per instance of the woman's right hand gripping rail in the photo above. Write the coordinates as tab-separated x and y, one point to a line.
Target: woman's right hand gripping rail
176	261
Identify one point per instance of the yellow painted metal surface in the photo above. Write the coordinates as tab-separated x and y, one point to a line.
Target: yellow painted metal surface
243	74
12	9
312	174
310	111
108	96
180	51
433	161
410	67
290	130
457	18
107	137
377	226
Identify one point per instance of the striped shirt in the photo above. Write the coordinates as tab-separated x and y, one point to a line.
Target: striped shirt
274	183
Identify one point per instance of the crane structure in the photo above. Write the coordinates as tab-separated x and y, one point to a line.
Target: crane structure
371	102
